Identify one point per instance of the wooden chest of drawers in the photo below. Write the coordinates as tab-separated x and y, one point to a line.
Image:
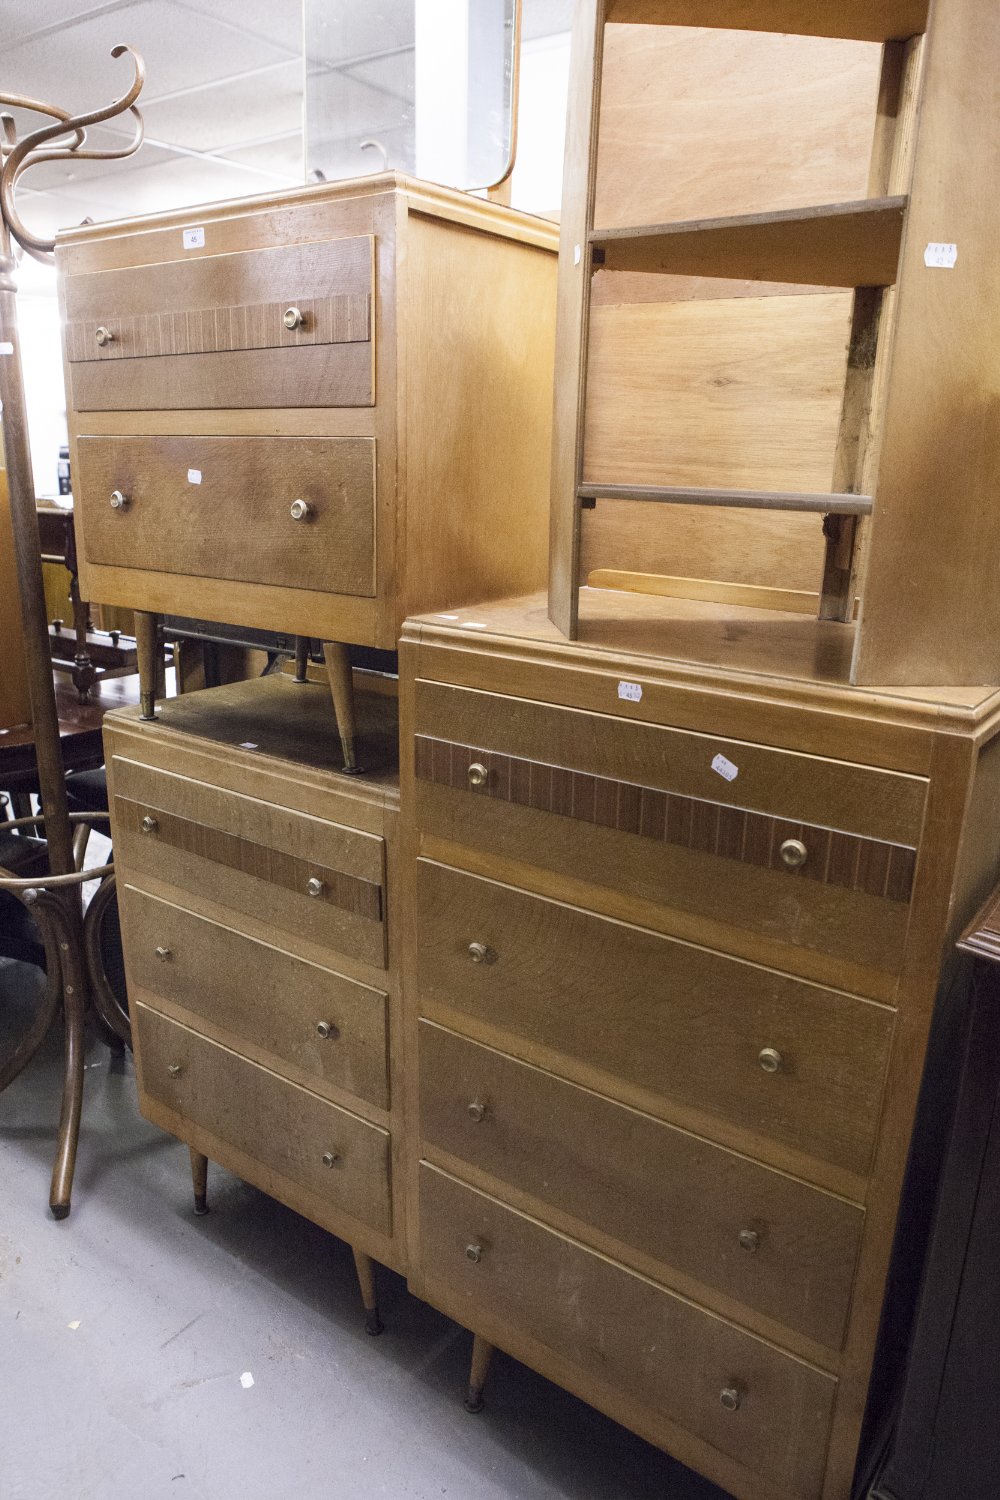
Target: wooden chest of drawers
258	907
680	933
314	413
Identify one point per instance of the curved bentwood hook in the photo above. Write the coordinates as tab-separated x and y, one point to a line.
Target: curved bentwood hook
17	156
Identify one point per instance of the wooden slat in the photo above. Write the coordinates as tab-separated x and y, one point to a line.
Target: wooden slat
863	20
837	244
831	505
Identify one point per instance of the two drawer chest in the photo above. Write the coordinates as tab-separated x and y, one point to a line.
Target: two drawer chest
679	935
258	902
315	412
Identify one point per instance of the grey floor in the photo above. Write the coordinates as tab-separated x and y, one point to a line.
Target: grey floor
125	1331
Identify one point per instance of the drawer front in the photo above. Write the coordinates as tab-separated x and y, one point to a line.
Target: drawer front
765	1239
212	331
284	1127
330	1027
686	1024
792	884
297	512
580	751
318	880
626	1332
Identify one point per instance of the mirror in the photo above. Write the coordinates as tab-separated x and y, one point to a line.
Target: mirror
426	87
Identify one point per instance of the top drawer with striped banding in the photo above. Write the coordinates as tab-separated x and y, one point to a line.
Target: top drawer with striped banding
807	853
314	879
288	325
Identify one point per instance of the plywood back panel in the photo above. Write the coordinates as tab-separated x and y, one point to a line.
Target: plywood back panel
699	123
15	707
741	393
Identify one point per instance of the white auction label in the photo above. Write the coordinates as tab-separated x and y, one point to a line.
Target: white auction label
193	239
941	255
194	476
725	768
631	691
6	348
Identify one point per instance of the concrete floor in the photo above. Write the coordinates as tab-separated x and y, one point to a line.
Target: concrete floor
125	1330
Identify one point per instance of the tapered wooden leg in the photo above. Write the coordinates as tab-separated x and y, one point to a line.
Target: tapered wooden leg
301	658
482	1353
149	672
338	665
199	1180
365	1267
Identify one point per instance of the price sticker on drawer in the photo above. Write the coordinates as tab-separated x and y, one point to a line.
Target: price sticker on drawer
942	256
631	692
725	768
193	239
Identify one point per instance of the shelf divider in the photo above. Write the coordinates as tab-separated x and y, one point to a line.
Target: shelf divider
859	20
830	244
817	504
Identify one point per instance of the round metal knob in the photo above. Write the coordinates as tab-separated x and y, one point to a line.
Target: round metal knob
478	1111
474	1253
149	824
293	318
479	953
119	501
478	774
749	1241
163	954
104	336
315	886
771	1060
175	1069
331	1158
731	1396
794	853
326	1029
300	510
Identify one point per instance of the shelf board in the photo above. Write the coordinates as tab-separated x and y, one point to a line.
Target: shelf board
832	244
817	504
859	20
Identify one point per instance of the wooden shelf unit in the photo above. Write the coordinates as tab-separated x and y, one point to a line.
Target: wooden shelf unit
697	353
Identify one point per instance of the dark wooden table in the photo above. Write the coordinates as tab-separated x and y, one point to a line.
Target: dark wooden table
79	730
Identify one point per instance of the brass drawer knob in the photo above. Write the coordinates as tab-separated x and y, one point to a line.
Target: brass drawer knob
794	853
326	1029
149	824
749	1241
104	336
477	1111
479	953
175	1069
163	954
478	774
315	886
331	1158
770	1059
731	1397
119	501
474	1253
293	319
300	510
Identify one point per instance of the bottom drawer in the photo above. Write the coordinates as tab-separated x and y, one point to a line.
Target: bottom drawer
769	1411
328	1151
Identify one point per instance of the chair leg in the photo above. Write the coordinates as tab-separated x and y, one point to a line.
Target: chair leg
146	626
482	1353
338	665
199	1181
365	1267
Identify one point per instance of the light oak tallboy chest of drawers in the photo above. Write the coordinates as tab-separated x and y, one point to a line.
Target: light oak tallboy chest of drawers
677	935
259	920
